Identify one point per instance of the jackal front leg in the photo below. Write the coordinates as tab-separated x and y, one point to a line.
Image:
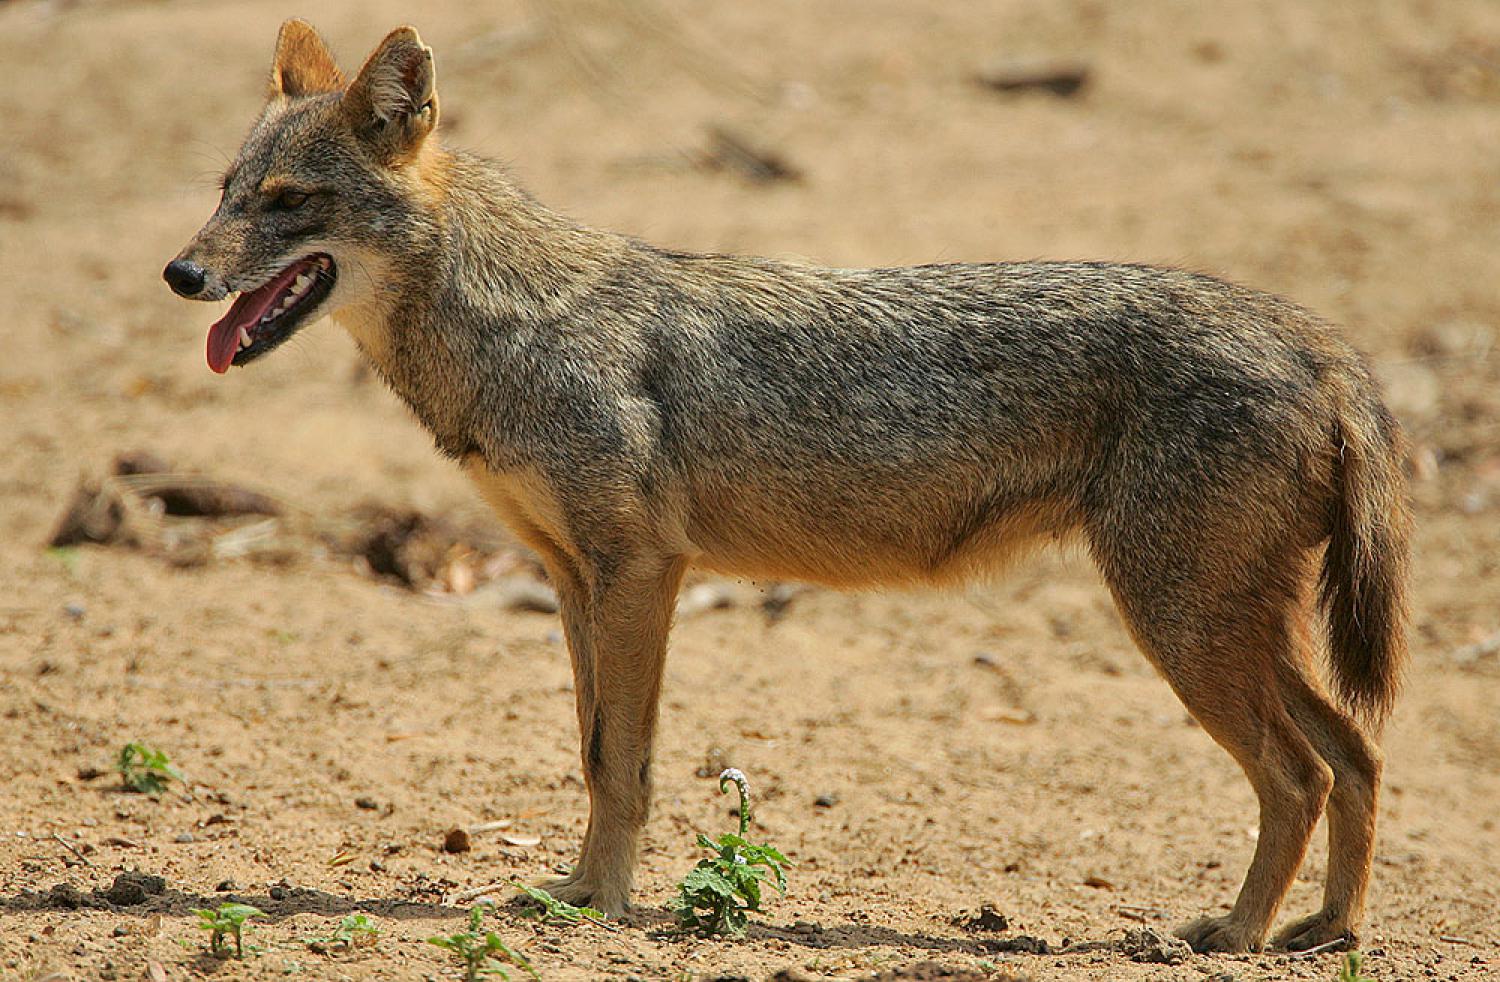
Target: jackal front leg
624	628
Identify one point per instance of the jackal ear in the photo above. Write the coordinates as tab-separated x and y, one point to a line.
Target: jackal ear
303	64
393	103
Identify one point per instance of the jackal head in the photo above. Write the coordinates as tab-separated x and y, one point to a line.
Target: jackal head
324	185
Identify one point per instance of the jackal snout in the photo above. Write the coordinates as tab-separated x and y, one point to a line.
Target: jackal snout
185	277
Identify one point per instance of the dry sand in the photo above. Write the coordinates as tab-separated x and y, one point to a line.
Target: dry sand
1003	745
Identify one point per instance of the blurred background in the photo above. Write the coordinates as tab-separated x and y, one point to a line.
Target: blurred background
359	630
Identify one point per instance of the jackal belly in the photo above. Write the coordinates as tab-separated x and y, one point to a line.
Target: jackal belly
862	533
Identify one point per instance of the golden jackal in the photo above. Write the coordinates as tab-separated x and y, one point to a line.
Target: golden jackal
630	411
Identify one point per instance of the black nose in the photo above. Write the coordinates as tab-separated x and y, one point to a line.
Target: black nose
184	276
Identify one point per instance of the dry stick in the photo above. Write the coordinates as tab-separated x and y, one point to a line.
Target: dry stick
503	823
69	846
475	892
1455	939
1335	945
1138	913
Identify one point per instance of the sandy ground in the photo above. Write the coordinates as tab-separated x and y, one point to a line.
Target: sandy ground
1003	745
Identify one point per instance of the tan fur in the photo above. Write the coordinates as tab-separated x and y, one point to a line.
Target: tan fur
1222	454
303	65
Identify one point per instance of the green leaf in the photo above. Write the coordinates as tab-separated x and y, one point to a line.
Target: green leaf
554	910
702	879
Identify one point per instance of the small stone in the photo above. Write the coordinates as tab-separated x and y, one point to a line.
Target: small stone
457	840
75	611
277	892
376	866
368	804
826	800
226	886
184	837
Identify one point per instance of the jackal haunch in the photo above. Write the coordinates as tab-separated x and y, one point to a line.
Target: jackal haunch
1222	454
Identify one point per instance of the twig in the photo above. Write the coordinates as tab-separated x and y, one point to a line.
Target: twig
503	823
69	846
466	895
1337	944
1455	939
1138	913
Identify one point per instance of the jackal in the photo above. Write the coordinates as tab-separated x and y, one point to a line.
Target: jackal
629	411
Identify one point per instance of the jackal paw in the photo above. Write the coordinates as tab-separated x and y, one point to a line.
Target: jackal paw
1314	930
1218	934
580	891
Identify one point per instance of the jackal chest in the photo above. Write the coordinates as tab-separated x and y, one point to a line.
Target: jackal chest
524	502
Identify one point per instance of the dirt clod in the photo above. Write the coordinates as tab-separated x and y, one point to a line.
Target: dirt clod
132	888
1020	944
1146	945
65	896
929	971
987	918
457	840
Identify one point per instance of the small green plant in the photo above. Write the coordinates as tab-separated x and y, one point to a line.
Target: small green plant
354	931
67	555
553	911
144	769
482	952
717	894
226	921
1349	969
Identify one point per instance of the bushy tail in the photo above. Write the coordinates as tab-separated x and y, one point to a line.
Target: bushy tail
1363	582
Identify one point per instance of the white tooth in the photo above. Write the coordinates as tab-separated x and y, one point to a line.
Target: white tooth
244	338
303	282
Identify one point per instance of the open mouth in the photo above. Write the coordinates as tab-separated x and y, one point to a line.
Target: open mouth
266	316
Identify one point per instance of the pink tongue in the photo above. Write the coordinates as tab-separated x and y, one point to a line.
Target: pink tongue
248	309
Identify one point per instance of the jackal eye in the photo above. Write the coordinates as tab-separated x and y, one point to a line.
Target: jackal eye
289	200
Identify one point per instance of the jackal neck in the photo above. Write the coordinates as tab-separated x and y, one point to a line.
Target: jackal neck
514	257
486	271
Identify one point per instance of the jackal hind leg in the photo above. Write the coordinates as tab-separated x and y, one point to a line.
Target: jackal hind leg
1220	648
1357	763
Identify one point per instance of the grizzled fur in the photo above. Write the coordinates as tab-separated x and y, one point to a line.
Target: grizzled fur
1221	453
